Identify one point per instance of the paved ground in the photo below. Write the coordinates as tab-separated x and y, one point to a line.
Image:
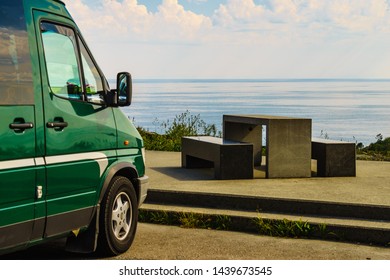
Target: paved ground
370	186
157	242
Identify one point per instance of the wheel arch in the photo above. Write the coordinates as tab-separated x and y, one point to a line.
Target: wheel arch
86	241
124	169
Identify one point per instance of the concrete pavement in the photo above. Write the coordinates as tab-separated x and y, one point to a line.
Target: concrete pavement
370	186
358	207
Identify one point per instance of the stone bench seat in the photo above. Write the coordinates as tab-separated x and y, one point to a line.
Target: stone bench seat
334	158
230	159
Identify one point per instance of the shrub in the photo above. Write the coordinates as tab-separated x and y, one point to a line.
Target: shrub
380	150
183	124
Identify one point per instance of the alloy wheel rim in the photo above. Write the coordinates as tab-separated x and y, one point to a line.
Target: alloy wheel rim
121	216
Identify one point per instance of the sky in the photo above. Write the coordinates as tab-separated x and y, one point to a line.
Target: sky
237	39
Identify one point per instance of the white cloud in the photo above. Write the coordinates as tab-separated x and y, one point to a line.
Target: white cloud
183	23
279	38
128	19
354	15
361	15
172	22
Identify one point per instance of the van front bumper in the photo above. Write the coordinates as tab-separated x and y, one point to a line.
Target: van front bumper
143	183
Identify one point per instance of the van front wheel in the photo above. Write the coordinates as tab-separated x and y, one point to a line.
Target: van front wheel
119	216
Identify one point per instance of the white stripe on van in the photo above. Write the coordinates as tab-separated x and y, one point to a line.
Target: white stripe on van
17	163
39	161
100	158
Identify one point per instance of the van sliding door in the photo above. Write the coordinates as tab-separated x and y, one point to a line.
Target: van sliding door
18	161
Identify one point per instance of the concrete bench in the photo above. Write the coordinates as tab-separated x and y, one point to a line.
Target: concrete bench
230	159
334	158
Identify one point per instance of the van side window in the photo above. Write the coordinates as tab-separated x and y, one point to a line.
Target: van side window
16	82
60	48
64	65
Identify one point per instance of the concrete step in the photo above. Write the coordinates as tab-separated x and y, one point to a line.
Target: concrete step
269	204
367	224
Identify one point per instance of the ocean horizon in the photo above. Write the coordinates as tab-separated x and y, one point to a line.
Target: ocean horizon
354	110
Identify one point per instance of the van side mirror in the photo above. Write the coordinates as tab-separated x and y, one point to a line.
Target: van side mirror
123	89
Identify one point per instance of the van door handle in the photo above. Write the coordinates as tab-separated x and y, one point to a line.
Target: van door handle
21	126
56	125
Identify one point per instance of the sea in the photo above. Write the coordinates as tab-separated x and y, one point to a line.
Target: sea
355	110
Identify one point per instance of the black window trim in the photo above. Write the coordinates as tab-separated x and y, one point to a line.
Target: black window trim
102	77
79	62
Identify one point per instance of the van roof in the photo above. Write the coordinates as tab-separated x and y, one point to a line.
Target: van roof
59	1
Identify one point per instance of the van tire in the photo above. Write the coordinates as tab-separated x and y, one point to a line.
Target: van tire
118	217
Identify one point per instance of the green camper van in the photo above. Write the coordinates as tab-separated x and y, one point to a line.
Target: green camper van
72	165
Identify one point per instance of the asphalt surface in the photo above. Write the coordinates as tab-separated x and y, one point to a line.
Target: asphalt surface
158	242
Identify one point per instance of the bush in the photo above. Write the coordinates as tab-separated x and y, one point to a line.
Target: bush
184	124
380	150
380	146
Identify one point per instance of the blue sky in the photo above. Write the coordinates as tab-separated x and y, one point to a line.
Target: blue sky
197	6
238	38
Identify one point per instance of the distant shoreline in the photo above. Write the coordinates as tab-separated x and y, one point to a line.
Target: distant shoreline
250	80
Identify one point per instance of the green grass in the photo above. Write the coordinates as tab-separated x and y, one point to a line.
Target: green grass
185	219
293	229
267	227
